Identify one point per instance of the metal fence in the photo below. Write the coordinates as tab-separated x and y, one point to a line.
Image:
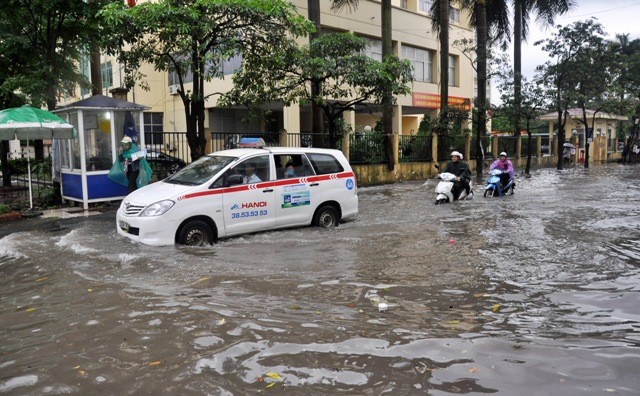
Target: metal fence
166	149
366	148
449	143
508	144
414	148
17	195
485	142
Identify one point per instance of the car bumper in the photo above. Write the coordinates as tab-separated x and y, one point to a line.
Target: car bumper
153	230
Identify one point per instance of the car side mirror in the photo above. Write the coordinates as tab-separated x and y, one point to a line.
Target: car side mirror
234	180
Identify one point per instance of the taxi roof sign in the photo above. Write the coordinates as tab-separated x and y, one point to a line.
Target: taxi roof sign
249	142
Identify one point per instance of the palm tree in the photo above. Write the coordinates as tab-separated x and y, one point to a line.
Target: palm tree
546	10
481	36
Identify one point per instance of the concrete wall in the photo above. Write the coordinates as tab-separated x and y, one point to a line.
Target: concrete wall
369	175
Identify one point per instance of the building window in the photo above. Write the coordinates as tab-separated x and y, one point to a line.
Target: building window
186	78
454	15
424	5
420	60
106	72
230	65
403	4
373	48
453	60
153	129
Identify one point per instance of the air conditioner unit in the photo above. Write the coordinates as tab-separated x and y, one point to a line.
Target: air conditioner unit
173	89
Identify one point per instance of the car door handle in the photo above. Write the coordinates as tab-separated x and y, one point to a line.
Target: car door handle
314	184
267	190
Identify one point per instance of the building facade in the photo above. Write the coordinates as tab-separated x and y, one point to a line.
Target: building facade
413	39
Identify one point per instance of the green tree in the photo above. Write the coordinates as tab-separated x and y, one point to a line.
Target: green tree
582	74
334	61
546	11
531	105
627	78
42	41
193	38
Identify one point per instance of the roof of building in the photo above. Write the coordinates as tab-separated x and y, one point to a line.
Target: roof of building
577	113
101	102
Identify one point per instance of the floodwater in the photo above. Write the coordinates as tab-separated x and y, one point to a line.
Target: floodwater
535	293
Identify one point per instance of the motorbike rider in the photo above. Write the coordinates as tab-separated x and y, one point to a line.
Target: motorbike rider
506	167
462	172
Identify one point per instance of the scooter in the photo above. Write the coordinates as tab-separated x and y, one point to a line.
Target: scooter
444	187
493	188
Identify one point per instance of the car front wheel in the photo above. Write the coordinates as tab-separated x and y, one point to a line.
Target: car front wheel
195	233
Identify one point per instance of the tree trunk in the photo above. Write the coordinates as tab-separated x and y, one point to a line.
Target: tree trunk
481	32
517	63
443	20
96	75
317	127
387	105
527	168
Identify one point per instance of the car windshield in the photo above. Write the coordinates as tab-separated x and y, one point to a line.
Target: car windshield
200	171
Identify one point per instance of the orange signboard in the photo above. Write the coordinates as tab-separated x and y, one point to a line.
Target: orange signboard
432	101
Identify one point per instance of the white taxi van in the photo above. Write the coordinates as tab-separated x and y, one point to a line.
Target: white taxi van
240	191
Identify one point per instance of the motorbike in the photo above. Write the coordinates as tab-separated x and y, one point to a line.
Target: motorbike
494	188
444	187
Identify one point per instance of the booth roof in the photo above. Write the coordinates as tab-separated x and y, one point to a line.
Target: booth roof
101	102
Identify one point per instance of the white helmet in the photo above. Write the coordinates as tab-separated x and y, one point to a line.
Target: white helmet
457	154
503	153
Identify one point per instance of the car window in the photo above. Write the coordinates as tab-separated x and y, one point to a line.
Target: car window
252	170
299	166
200	171
325	163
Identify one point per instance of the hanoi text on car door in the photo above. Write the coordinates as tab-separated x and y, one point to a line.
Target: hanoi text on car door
249	207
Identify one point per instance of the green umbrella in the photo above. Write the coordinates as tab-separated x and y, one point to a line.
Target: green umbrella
30	123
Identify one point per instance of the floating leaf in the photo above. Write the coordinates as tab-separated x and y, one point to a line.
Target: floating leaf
222	321
44	278
156	363
294	307
31	309
495	307
473	370
275	376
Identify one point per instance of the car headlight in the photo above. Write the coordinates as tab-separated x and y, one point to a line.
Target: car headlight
157	209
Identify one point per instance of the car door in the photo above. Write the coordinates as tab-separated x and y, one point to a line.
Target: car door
295	198
250	206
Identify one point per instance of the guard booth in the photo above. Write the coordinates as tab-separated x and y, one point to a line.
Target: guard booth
84	161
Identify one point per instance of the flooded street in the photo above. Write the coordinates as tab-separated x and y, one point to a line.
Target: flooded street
535	293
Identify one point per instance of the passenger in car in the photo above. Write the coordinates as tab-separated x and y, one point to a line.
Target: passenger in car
251	176
289	170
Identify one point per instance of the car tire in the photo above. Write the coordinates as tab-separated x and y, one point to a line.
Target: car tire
326	217
195	233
